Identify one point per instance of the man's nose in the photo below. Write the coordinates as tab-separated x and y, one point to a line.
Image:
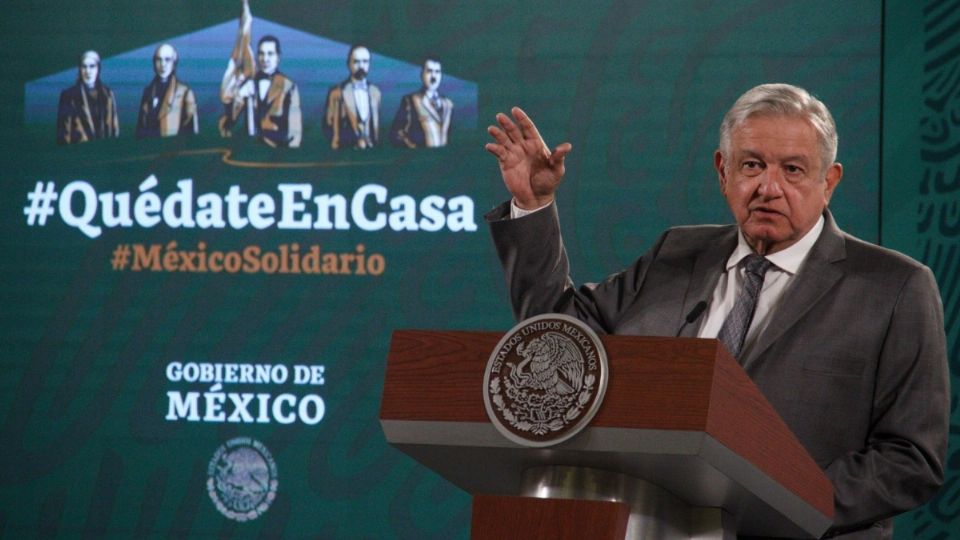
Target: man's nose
770	182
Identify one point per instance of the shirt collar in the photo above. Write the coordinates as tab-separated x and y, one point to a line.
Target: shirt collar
787	260
360	85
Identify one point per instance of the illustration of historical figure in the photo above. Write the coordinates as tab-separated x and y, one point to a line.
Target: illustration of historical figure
267	101
168	106
423	119
352	118
88	109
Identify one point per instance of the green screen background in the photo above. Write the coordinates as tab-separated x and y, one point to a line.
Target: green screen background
638	88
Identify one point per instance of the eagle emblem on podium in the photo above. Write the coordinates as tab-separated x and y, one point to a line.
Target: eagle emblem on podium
545	380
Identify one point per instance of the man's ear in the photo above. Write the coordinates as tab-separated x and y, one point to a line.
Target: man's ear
833	177
720	165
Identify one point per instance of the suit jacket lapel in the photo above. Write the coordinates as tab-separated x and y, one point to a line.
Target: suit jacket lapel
431	110
374	96
817	276
87	112
167	98
703	280
274	101
350	100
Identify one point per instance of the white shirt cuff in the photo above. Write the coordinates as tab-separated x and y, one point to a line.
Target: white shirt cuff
517	212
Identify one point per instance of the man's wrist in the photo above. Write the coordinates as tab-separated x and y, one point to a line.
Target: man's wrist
517	212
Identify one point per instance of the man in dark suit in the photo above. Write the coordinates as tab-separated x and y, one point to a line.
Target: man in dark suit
88	109
423	119
168	106
269	103
845	338
352	118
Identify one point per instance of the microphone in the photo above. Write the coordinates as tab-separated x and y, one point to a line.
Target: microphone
693	315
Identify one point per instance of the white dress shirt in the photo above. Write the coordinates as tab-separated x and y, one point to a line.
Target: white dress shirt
786	265
362	97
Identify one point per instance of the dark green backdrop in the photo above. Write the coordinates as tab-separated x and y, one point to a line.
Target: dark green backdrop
637	87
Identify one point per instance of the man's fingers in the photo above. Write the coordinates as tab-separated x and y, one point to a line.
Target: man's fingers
509	134
560	152
526	124
511	129
498	134
498	151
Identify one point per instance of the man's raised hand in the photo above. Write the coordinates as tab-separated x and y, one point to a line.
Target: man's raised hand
530	171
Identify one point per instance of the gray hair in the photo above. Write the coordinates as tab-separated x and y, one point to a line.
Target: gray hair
783	100
176	55
91	53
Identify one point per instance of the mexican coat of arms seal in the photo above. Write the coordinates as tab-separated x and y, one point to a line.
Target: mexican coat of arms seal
545	380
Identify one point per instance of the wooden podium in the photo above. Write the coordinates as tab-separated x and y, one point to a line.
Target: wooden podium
683	446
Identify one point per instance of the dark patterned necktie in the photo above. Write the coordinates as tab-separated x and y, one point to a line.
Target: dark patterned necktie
735	326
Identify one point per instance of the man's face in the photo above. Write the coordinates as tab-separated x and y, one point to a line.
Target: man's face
431	75
267	57
359	63
164	61
89	69
773	180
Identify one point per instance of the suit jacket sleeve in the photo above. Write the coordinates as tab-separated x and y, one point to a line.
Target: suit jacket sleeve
64	119
189	120
537	271
113	119
143	112
331	117
402	124
374	93
901	463
294	119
